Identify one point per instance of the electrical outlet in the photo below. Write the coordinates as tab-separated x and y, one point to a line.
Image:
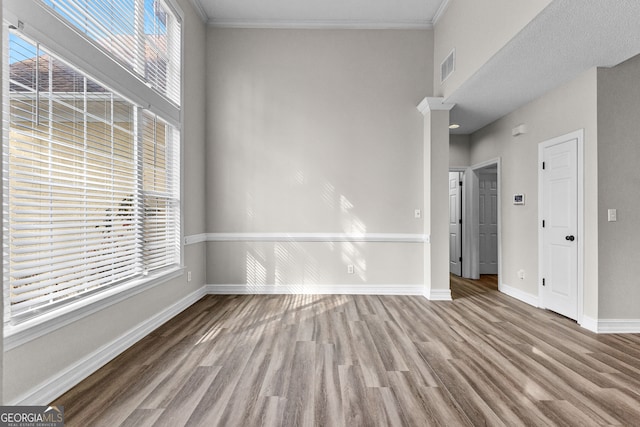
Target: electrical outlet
417	214
350	269
521	274
188	276
612	215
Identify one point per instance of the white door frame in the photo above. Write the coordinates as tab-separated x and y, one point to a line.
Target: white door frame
579	136
470	220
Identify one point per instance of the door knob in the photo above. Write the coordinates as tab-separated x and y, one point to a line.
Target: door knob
570	238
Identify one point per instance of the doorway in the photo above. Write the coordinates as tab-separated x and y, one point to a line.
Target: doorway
481	248
480	223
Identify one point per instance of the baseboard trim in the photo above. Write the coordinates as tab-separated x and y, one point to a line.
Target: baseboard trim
519	294
618	326
61	382
305	289
439	295
589	323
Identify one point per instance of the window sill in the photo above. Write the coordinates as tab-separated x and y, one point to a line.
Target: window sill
17	335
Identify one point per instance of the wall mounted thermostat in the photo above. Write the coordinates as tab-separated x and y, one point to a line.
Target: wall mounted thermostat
518	199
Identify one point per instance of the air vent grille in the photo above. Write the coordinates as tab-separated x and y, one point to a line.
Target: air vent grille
448	66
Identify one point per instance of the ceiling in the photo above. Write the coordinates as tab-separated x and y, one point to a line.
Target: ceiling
325	13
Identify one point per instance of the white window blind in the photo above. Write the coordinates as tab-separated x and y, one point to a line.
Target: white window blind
144	35
160	168
91	185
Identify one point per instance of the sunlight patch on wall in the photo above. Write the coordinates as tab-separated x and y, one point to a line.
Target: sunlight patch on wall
256	271
250	204
300	177
329	194
345	204
282	261
352	252
294	265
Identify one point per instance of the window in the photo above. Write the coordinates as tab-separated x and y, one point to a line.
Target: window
142	34
91	179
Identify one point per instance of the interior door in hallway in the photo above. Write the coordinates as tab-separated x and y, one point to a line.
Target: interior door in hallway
488	218
455	223
559	230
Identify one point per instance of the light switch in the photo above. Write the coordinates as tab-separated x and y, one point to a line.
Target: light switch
612	215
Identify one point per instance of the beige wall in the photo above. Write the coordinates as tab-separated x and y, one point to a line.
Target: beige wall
459	151
618	184
563	110
306	264
477	30
194	127
29	365
316	131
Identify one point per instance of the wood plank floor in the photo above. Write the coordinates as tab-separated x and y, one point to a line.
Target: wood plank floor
302	360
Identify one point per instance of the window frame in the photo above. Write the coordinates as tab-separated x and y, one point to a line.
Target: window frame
33	19
133	57
40	24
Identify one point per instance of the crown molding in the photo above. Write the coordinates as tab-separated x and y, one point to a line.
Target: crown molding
321	24
200	10
440	12
434	104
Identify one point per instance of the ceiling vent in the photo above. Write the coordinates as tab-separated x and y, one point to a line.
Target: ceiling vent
448	66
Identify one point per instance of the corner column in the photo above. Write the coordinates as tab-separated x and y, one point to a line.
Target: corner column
436	198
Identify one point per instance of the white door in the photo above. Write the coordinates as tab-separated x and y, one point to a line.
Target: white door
559	228
488	227
455	223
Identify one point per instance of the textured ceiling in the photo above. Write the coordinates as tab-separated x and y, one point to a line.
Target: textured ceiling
566	39
325	13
